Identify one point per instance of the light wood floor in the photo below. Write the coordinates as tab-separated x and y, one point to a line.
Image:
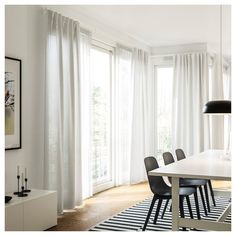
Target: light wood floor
108	203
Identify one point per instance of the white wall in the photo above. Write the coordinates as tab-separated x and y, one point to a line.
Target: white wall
23	41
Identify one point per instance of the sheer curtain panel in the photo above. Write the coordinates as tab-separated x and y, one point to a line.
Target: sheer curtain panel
141	108
63	160
133	115
123	103
190	126
85	46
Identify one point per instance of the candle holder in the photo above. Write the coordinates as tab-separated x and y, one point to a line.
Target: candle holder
26	190
18	186
22	194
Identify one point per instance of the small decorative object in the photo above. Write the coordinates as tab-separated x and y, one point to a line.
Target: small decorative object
18	181
12	103
22	194
7	199
26	180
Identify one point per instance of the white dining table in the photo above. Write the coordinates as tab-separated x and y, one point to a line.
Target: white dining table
209	164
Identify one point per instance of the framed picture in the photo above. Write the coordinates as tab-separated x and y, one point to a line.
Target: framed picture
12	103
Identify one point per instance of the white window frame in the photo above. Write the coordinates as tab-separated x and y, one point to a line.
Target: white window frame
160	61
98	187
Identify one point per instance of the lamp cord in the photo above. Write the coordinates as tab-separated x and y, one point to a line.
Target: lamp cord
221	62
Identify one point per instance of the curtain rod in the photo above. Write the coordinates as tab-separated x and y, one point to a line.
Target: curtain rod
181	53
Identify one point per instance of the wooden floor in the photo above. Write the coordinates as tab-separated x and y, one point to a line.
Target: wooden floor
108	203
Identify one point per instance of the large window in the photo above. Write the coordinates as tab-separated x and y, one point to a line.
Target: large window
163	101
101	72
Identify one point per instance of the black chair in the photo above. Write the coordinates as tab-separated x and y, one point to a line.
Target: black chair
194	183
162	191
181	155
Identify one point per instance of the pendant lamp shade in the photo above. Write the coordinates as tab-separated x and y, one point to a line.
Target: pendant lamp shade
217	107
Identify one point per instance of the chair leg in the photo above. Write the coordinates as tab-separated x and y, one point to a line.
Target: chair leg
207	197
170	208
203	201
181	206
149	212
212	193
197	205
164	210
157	211
189	207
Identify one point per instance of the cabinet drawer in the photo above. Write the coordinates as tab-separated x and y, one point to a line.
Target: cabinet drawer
14	218
40	213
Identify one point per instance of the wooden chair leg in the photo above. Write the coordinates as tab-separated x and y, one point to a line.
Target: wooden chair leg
197	205
164	210
207	197
157	211
149	212
212	193
203	201
189	207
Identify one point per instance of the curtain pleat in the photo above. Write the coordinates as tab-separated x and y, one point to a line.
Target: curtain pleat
190	126
63	154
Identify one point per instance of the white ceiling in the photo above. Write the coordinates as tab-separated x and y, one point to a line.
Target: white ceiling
163	25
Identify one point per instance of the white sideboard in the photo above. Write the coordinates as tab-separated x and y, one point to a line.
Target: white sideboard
36	212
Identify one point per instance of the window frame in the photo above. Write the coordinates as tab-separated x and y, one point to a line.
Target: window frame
155	77
106	184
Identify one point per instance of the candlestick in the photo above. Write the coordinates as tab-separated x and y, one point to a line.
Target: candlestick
18	170
25	173
18	185
26	189
22	180
22	194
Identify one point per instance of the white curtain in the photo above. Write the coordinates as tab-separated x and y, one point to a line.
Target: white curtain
63	161
85	47
133	107
217	122
190	126
140	134
123	103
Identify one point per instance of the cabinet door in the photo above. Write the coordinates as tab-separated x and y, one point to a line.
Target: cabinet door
40	213
14	218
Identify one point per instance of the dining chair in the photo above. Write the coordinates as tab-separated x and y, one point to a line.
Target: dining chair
181	155
162	192
184	182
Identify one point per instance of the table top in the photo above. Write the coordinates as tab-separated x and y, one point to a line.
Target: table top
35	193
205	165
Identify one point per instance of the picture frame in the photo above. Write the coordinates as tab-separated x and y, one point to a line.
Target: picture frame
12	103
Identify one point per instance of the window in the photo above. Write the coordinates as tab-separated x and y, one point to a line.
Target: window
163	104
101	73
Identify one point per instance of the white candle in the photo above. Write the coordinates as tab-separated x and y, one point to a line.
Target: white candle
18	170
26	173
22	181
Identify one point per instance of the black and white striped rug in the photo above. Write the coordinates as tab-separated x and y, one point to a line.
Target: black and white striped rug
133	218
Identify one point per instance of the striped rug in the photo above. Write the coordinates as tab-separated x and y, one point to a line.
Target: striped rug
133	218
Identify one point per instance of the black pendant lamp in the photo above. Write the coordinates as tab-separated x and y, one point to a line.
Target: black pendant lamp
217	107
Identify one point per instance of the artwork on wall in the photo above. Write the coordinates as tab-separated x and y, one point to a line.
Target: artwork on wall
12	103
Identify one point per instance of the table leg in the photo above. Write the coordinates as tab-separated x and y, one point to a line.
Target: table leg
175	203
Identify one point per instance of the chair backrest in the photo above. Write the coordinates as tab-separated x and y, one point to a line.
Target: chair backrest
180	154
156	183
168	158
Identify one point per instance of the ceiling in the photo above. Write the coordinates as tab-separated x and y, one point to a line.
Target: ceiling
164	25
